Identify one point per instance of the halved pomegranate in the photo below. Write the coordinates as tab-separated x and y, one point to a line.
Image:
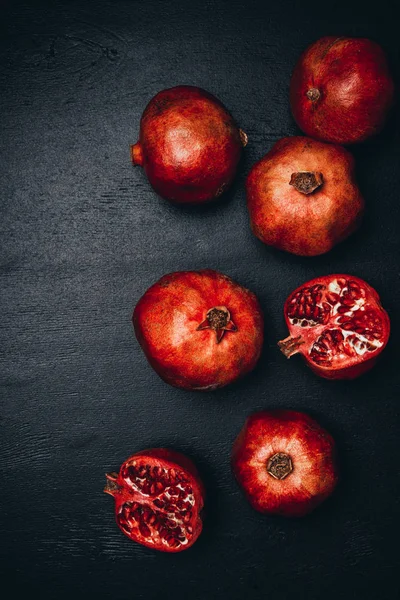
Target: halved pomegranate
338	324
158	499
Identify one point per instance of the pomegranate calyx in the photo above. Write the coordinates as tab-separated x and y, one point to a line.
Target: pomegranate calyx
306	182
279	465
313	94
290	345
111	485
218	318
243	137
137	154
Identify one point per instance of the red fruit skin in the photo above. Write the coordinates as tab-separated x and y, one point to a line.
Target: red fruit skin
355	369
189	145
306	225
355	86
166	321
313	454
167	459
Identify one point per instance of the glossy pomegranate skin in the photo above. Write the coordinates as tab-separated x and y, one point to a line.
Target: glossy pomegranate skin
341	90
144	513
341	328
305	222
172	327
189	145
312	475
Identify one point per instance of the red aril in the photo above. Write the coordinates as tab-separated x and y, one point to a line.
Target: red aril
302	196
158	499
199	330
337	323
341	90
189	145
285	462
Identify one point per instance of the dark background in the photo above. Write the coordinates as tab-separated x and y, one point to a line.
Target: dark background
83	236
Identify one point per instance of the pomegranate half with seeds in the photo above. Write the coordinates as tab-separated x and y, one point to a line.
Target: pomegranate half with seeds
285	462
337	324
189	145
158	499
199	330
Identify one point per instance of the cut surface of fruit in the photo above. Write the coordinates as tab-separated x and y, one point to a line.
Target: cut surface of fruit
158	499
338	324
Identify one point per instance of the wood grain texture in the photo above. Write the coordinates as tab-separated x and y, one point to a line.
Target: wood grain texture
83	236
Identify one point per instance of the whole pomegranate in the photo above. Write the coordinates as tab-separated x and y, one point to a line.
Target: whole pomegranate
341	90
199	329
302	196
158	499
285	462
189	145
337	323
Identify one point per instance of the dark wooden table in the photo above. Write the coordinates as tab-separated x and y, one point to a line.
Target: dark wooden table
83	236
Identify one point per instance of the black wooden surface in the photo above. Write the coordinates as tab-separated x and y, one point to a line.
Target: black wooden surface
83	236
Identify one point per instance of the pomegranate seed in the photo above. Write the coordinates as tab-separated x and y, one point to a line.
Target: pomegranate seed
171	541
136	514
332	298
170	523
348	302
144	530
342	309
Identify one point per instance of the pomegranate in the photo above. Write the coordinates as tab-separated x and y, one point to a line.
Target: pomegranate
338	324
189	145
302	196
158	499
341	90
285	462
199	330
